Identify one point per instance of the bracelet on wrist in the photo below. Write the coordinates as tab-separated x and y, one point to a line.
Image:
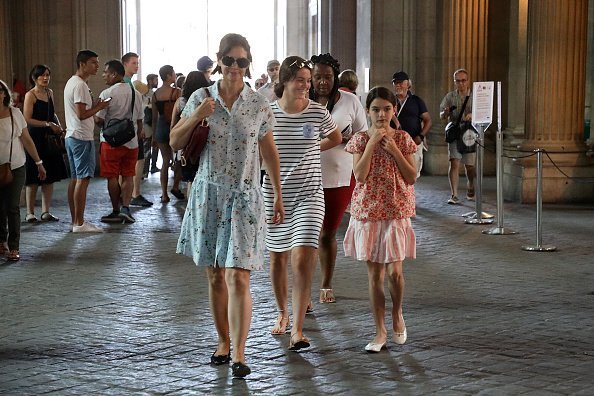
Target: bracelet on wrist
40	162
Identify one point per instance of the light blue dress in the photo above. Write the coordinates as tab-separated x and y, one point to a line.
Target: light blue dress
224	222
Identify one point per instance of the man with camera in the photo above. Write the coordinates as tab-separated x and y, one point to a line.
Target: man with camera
451	105
125	103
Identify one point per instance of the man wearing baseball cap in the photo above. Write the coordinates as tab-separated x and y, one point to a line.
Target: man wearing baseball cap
411	115
267	90
204	66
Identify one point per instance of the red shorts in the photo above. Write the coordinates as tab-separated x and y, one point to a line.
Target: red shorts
117	161
336	201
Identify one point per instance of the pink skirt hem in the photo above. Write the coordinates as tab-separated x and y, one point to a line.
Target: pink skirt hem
384	241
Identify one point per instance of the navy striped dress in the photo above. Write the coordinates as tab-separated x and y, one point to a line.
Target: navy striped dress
297	137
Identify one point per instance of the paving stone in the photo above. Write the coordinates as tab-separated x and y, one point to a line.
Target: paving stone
121	313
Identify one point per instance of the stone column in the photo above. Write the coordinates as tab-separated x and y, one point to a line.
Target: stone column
465	26
556	73
460	30
297	36
515	95
5	53
555	101
343	32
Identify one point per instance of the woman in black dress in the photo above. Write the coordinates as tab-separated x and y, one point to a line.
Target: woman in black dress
42	121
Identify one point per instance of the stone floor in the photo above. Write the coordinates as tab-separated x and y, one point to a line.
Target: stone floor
120	313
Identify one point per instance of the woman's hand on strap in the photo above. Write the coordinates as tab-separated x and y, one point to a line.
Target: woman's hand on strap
205	109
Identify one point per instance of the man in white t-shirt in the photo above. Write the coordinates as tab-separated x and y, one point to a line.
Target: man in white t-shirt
130	61
119	162
79	110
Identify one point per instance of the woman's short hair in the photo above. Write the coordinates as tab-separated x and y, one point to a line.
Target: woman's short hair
230	41
38	71
382	93
165	71
287	72
348	79
7	94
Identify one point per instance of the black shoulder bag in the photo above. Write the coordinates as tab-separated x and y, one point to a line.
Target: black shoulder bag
453	129
119	132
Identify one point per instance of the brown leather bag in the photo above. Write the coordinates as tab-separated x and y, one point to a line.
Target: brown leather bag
199	136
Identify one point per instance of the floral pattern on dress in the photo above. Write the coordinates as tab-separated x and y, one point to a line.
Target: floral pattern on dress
224	221
384	195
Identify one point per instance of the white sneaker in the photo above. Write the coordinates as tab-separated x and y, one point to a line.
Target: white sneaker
86	227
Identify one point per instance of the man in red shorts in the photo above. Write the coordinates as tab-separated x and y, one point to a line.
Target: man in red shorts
116	162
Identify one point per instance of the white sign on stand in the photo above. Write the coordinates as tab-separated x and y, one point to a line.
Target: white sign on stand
482	103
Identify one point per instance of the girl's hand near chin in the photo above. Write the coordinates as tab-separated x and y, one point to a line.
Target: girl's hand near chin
376	135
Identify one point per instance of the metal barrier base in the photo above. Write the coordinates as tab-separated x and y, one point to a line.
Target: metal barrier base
499	231
541	248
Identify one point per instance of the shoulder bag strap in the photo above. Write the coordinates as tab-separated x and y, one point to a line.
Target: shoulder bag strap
133	98
462	110
55	117
49	102
11	134
208	96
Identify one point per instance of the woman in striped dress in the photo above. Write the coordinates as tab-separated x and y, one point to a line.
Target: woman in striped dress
303	129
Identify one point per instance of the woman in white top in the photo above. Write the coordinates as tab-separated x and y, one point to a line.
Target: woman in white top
303	129
14	140
337	164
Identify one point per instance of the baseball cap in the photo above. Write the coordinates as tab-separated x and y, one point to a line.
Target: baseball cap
400	76
273	62
204	63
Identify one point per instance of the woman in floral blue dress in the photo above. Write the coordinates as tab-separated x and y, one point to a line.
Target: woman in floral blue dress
224	220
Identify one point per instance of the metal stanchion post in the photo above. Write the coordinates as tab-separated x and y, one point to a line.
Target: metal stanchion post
539	246
479	217
499	230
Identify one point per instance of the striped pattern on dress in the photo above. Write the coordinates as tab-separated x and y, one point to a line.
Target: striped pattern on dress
297	137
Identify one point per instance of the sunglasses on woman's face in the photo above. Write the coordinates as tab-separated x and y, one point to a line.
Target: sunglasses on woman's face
301	64
229	61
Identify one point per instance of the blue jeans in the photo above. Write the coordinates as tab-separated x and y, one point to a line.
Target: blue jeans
10	213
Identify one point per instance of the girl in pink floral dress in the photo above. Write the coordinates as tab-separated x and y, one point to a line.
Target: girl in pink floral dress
383	202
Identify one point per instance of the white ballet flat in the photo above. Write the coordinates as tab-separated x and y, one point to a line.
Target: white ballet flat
375	347
400	338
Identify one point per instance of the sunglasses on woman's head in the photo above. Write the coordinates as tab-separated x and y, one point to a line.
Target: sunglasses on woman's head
229	61
301	64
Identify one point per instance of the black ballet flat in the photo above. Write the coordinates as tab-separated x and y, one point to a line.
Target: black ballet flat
220	359
240	370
